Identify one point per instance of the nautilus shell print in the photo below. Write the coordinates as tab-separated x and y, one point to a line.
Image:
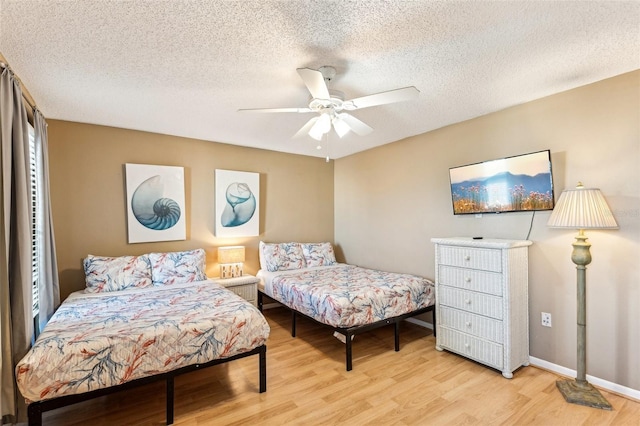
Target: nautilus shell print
151	208
240	206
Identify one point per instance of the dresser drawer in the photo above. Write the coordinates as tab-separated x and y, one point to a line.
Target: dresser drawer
476	325
484	351
467	257
477	303
471	279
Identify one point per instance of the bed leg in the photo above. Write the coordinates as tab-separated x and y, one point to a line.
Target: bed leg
34	413
262	356
293	323
170	396
260	301
433	315
348	351
397	335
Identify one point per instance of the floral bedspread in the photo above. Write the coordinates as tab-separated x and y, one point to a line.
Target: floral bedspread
106	339
346	295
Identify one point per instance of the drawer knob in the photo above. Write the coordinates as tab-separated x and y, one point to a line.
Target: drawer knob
467	258
468	279
468	323
466	345
467	301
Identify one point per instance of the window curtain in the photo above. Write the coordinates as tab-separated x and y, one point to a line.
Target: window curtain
16	319
49	290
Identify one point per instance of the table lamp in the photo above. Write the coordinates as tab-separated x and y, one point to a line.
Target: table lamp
230	259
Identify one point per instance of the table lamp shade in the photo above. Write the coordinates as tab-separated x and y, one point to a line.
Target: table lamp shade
231	254
582	208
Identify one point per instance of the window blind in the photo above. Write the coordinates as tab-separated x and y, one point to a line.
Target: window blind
34	179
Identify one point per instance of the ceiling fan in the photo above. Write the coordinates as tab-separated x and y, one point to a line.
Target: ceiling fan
331	106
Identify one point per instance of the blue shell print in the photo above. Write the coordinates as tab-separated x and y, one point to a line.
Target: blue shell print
240	207
152	210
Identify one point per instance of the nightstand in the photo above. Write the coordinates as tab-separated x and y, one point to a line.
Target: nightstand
245	286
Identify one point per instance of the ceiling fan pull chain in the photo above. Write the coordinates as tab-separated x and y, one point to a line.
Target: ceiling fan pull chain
327	143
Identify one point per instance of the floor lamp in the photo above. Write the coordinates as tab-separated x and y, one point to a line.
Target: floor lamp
581	209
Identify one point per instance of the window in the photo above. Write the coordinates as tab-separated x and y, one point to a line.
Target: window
35	186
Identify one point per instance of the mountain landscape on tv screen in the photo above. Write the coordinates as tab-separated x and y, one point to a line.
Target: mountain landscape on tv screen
503	192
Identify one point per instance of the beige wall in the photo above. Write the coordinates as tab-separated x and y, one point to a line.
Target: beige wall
89	203
390	201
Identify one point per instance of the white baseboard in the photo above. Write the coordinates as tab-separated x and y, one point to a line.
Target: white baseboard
271	305
603	384
420	323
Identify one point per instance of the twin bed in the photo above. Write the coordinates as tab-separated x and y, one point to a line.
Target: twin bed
153	317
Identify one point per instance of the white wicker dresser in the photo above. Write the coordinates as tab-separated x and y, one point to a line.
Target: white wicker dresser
482	300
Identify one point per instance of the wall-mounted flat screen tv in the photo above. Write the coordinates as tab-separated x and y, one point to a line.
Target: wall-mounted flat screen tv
520	183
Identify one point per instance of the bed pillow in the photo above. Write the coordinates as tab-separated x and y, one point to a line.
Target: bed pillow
318	254
177	267
281	256
104	274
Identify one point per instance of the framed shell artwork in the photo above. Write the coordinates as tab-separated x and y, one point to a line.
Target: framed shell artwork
155	203
237	204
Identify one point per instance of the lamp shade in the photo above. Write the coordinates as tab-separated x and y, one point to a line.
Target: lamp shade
582	208
231	254
340	126
322	126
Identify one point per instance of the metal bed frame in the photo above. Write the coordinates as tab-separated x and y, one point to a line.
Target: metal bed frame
349	332
35	409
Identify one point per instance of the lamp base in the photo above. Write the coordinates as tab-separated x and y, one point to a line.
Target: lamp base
230	270
582	394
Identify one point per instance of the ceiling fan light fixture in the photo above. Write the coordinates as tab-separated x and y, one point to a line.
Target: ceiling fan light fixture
322	126
340	126
325	123
315	135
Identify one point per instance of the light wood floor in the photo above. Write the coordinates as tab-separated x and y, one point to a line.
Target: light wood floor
307	385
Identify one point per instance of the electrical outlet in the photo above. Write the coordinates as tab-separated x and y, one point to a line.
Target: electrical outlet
546	319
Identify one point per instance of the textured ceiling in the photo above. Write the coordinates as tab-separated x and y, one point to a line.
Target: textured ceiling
185	67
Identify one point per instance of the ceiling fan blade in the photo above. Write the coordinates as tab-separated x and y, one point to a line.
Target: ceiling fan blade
314	80
304	130
356	125
382	98
301	110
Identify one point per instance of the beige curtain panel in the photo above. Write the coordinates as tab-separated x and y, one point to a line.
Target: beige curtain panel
16	301
15	236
